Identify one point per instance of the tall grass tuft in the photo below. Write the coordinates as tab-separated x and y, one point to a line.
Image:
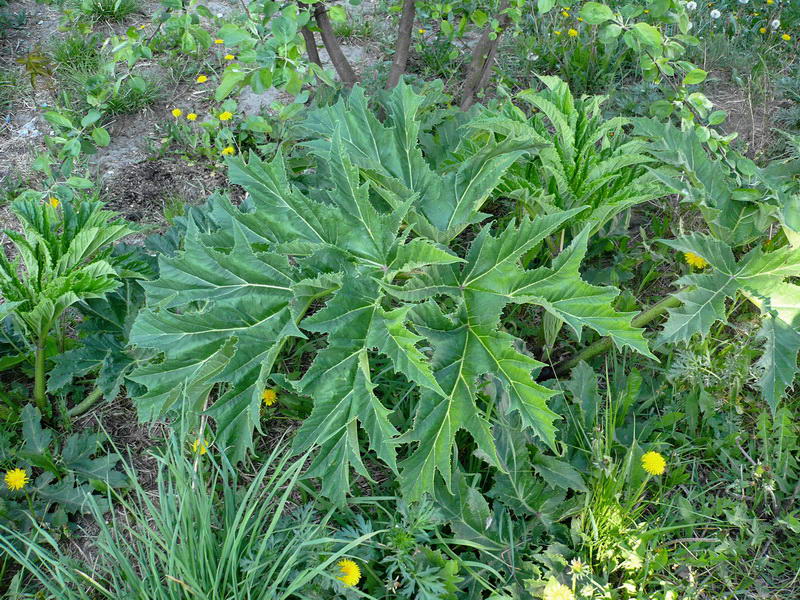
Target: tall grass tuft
208	532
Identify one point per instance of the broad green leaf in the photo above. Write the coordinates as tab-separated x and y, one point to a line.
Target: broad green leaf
695	76
37	439
684	159
101	136
247	316
468	513
58	119
648	35
545	6
388	154
761	277
596	13
231	78
517	485
558	473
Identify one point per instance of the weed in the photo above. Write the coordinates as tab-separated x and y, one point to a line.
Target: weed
76	54
8	87
109	10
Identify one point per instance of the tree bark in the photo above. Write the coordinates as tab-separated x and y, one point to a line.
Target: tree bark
403	43
339	60
483	55
311	46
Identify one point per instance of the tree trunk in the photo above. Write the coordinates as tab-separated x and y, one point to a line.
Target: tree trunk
311	46
403	43
483	55
339	60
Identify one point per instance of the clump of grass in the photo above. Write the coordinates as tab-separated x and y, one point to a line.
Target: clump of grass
76	54
8	83
133	95
210	528
354	29
109	10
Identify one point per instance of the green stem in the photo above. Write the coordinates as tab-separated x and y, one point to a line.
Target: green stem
604	344
86	404
39	373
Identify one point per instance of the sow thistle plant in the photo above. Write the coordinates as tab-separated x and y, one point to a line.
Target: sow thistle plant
365	251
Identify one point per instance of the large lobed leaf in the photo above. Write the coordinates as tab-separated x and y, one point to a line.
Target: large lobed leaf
369	238
761	277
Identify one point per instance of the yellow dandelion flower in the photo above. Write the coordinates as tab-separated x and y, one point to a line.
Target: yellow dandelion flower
557	591
229	57
647	11
142	26
219	41
564	13
201	79
557	32
350	572
770	1
786	37
16	479
200	446
695	260
580	20
269	397
53	201
762	30
191	117
228	151
654	463
225	116
176	112
420	30
572	33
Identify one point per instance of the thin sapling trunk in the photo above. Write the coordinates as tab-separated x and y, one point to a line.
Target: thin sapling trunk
403	43
339	60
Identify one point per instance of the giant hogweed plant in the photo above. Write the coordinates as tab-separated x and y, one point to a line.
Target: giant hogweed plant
585	161
62	257
365	252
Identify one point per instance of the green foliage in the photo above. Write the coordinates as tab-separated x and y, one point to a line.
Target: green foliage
406	558
208	138
76	53
371	237
764	279
104	328
206	528
269	49
738	199
108	10
8	82
73	474
587	162
63	256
